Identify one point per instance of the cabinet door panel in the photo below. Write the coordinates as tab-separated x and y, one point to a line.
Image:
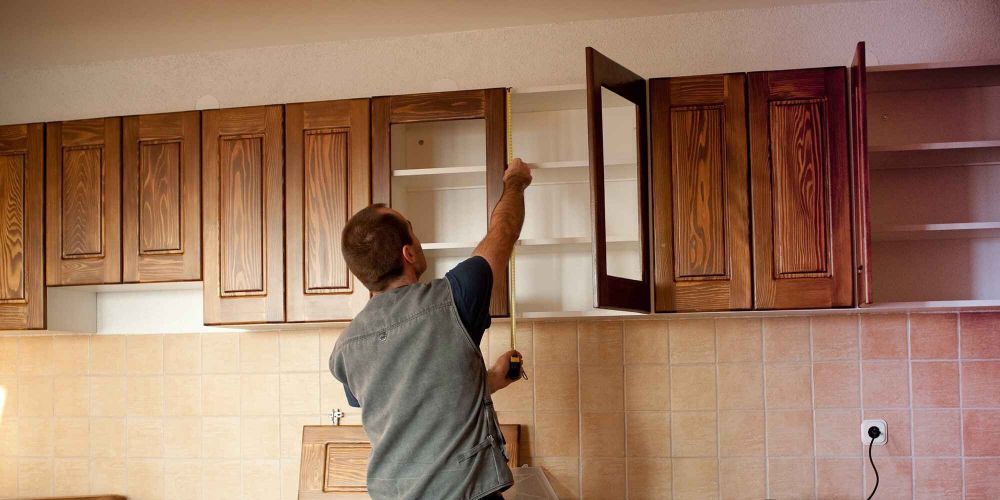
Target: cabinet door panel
83	192
22	291
700	193
859	152
607	79
161	198
243	217
488	104
801	189
327	181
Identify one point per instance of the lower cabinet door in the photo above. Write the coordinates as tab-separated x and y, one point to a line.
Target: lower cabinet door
326	181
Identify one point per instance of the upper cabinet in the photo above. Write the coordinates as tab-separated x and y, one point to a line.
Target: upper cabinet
701	205
22	288
83	200
800	180
243	217
439	159
862	178
326	181
161	198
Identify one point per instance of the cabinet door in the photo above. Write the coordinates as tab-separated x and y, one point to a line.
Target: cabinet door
801	189
161	198
621	277
859	152
488	105
701	193
326	181
243	221
83	202
22	289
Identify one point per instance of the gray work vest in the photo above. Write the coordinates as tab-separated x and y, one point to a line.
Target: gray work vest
425	404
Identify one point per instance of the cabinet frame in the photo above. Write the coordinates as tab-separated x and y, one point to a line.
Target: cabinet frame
487	104
862	182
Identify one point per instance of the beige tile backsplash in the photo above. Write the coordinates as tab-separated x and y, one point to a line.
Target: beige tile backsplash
688	408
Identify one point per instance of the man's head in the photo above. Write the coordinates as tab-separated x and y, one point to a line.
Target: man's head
380	247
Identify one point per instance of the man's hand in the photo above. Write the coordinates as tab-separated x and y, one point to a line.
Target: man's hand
496	377
517	175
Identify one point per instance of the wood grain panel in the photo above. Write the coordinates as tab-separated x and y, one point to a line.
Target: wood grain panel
697	143
488	104
798	194
613	292
859	153
22	265
161	199
801	189
327	180
326	209
83	200
701	212
13	199
243	216
346	466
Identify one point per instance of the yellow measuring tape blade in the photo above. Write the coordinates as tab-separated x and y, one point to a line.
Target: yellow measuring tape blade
513	253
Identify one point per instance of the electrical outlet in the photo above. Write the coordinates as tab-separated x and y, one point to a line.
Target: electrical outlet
880	440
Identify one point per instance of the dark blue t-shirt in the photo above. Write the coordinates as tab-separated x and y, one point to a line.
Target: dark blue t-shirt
471	286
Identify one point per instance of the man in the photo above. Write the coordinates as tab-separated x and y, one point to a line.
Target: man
411	358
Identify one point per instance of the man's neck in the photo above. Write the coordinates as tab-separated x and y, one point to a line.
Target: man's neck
404	280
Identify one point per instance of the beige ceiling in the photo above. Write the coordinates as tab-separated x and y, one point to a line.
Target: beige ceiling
52	32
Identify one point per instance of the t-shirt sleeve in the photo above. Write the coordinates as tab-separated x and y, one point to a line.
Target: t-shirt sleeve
472	286
351	400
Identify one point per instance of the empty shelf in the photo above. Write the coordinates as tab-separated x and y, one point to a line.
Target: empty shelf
965	230
923	146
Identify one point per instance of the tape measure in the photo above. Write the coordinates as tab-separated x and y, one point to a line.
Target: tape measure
515	371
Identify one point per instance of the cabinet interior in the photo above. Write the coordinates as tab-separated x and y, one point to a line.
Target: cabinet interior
934	149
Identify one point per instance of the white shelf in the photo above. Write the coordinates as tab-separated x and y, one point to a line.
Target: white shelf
936	304
474	169
531	242
906	232
925	146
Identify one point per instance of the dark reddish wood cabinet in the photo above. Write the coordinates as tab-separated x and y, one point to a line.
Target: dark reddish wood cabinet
488	105
326	181
859	155
801	189
161	198
22	280
243	216
83	202
701	205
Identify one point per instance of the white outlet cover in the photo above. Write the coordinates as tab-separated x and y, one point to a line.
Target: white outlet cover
865	438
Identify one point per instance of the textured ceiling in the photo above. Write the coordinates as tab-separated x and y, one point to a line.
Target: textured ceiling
53	32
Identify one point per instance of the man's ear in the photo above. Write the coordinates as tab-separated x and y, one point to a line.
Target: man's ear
408	254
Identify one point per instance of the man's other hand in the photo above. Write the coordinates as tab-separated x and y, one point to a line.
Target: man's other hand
496	377
517	175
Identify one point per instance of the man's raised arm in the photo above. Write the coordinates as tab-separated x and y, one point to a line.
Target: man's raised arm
506	220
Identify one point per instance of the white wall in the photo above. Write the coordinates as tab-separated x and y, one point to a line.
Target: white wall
897	32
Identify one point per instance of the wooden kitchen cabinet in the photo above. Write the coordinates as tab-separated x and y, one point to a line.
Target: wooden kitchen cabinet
701	205
83	202
161	198
326	181
243	216
439	159
22	281
801	189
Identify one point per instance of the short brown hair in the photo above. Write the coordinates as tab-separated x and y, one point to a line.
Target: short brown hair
373	242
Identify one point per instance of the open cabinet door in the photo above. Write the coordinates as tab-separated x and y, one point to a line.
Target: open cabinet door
616	97
859	153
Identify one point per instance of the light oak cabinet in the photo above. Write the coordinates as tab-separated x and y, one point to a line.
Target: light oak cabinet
22	280
161	198
83	202
243	215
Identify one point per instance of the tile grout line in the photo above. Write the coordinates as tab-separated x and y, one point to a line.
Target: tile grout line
763	369
913	442
961	400
579	411
861	402
718	415
812	389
